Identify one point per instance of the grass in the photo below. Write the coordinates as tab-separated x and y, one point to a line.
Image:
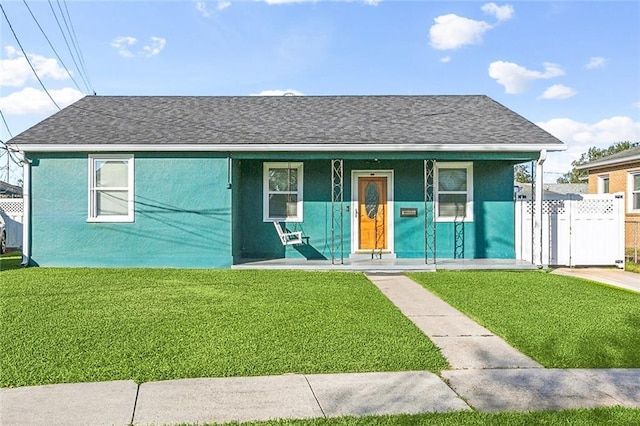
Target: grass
630	266
561	322
78	325
586	417
10	260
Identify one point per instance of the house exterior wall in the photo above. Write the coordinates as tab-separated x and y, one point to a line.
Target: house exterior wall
489	235
182	214
192	211
618	182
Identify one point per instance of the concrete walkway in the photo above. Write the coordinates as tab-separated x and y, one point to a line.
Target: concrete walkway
611	276
462	341
487	375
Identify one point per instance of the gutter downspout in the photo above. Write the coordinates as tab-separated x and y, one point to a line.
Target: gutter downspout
26	218
537	211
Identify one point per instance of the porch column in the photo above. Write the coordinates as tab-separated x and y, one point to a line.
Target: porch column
537	210
337	209
26	211
429	212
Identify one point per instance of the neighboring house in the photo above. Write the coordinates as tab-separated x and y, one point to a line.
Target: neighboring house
524	191
619	172
10	191
199	181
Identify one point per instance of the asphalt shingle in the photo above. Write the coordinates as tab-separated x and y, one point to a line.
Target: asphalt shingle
473	120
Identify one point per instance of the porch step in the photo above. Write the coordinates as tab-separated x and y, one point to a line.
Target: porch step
368	256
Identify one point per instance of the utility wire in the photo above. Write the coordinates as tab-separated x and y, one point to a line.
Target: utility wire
27	58
68	47
77	44
51	45
5	123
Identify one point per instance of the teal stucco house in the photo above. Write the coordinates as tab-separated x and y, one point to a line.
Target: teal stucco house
210	182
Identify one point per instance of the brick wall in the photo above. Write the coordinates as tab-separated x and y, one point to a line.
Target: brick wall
618	182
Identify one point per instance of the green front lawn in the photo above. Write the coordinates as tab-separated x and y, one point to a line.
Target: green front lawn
10	260
77	325
582	417
561	322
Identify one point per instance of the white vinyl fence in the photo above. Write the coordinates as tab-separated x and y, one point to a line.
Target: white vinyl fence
577	230
11	210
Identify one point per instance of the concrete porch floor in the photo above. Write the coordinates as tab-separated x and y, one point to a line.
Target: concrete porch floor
384	265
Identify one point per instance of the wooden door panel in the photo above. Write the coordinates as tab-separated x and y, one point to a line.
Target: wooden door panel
372	213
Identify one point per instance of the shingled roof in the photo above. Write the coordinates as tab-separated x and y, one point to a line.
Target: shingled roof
630	155
285	121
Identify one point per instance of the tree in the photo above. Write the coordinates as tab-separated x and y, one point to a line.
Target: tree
593	154
522	173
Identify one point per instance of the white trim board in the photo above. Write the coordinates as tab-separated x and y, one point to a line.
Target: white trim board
284	147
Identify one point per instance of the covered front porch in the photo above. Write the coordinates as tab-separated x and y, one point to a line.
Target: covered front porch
384	265
323	201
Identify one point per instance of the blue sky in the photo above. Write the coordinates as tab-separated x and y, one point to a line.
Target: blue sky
571	67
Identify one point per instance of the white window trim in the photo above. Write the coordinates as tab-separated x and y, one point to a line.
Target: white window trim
630	191
469	208
265	190
601	179
92	213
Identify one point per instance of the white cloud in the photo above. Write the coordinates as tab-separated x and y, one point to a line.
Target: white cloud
453	31
288	1
579	137
34	101
152	48
502	13
276	2
287	92
636	104
516	79
155	46
15	70
596	62
122	44
445	59
558	91
201	7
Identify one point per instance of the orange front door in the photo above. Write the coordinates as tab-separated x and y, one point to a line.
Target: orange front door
372	216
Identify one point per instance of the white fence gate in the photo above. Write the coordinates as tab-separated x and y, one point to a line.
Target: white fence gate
11	210
577	230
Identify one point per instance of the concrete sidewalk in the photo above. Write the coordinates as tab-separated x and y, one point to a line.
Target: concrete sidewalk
487	375
615	277
322	395
228	399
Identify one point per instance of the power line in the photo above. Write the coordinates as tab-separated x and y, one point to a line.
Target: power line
51	45
27	58
77	44
5	123
69	47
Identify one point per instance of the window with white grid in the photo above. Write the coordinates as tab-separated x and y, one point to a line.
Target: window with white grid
111	188
282	192
454	191
633	184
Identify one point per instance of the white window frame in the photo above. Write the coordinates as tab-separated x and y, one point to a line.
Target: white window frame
630	191
265	191
601	181
93	190
468	165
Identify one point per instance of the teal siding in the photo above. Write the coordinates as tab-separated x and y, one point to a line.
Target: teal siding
188	214
182	214
489	235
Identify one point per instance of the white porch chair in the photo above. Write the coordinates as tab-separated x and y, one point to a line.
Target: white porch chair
288	238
